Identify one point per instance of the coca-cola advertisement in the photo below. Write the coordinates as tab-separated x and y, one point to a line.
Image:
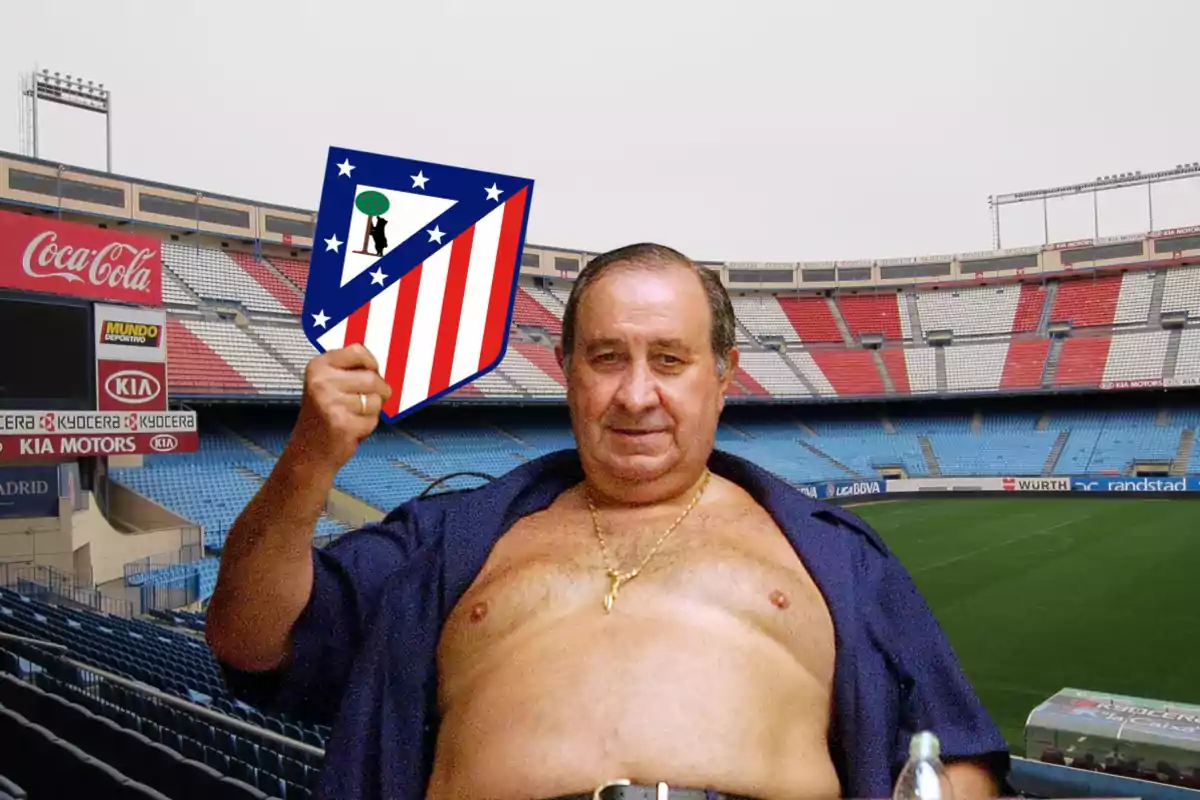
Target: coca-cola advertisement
39	254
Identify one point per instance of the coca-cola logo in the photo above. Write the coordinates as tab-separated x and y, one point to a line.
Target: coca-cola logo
164	443
114	265
132	386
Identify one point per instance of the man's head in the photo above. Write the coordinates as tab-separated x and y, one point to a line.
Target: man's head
648	352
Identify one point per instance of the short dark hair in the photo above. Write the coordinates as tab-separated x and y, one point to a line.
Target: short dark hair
647	255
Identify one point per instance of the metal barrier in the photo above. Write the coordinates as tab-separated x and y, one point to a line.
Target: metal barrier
95	678
42	582
187	554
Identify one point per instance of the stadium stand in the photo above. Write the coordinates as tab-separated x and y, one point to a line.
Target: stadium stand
811	318
212	274
1083	361
875	313
1024	364
293	269
763	317
1182	291
195	368
1136	356
528	311
975	367
238	350
970	311
1087	302
1029	308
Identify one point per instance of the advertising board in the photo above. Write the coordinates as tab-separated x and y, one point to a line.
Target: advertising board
844	489
40	254
33	435
1172	485
28	492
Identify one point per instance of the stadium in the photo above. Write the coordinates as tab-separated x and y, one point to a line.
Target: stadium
1016	380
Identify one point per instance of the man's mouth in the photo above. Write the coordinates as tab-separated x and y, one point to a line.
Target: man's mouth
636	432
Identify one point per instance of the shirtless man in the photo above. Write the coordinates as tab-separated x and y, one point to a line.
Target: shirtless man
627	612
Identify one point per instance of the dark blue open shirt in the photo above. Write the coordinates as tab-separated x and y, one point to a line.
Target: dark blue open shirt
363	656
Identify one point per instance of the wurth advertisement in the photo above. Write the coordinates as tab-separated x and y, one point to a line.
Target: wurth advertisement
49	255
33	435
131	359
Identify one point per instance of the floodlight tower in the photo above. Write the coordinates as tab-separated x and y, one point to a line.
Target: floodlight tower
71	91
1104	183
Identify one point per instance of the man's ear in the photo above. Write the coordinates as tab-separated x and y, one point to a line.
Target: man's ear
558	355
731	366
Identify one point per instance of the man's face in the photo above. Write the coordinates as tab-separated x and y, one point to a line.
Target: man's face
642	383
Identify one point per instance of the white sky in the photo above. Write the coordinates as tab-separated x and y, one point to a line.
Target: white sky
757	130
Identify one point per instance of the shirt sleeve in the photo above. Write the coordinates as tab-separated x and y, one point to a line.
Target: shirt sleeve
934	692
348	577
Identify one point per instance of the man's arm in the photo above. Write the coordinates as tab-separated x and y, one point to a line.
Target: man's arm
272	584
972	780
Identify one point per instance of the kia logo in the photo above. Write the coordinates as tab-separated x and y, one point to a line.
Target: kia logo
164	443
132	386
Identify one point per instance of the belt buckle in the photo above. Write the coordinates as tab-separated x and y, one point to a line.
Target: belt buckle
663	791
599	793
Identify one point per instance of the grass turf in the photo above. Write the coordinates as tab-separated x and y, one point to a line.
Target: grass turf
1037	594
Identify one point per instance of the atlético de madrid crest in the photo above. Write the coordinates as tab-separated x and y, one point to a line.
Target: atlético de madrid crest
418	262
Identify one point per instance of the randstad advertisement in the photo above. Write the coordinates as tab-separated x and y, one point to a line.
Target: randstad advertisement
1148	485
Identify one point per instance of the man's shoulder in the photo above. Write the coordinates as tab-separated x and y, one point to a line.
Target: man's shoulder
799	515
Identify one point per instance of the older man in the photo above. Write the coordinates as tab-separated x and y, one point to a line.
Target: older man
643	609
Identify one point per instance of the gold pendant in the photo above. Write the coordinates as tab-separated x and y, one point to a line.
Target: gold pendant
614	580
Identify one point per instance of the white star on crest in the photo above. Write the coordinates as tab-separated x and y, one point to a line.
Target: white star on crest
319	319
435	235
419	180
333	243
494	193
377	276
345	168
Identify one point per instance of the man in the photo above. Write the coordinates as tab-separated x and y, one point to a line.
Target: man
643	609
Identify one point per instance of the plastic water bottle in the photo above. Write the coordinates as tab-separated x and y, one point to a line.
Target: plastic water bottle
924	775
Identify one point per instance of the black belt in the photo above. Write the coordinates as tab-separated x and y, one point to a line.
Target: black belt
620	790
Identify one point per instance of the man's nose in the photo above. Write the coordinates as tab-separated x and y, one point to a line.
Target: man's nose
639	389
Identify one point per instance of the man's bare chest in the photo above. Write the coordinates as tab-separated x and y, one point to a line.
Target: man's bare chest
549	570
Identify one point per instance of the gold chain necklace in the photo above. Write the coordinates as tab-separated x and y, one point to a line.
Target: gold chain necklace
615	577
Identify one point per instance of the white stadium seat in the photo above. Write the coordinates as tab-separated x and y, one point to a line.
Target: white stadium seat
970	311
212	274
1133	303
1137	356
245	355
922	369
762	316
975	367
1182	291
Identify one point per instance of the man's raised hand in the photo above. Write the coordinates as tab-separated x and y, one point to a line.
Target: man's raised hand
343	395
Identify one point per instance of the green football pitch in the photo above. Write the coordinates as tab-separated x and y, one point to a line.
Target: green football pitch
1039	594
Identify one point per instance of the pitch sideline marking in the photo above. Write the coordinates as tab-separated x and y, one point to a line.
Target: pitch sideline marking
1005	543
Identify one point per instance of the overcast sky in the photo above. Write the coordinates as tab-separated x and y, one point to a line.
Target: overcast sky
782	131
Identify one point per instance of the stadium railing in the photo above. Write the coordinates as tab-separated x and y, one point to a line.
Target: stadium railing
188	554
97	683
42	582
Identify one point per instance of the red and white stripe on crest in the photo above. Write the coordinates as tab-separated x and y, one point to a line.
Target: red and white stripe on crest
445	320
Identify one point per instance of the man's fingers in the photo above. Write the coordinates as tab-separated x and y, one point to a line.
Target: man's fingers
354	356
364	381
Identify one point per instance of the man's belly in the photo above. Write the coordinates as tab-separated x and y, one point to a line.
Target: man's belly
705	701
